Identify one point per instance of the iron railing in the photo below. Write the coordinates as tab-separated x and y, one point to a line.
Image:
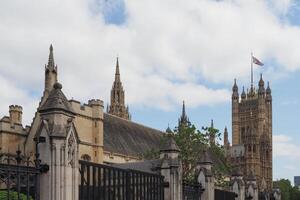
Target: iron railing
105	182
18	177
192	191
224	195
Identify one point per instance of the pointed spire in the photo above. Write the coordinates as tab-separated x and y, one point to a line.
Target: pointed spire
51	64
117	74
235	91
117	98
183	109
243	95
50	73
212	123
235	87
268	88
183	120
261	82
261	86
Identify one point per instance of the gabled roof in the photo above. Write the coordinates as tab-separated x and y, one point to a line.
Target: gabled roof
169	145
128	138
56	101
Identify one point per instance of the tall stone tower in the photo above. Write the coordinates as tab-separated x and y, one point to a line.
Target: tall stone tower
252	132
117	97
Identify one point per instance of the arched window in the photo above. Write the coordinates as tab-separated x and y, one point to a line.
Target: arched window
249	148
86	157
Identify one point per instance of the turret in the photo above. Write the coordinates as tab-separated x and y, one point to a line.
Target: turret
261	87
235	114
15	114
268	93
50	73
243	95
235	92
97	107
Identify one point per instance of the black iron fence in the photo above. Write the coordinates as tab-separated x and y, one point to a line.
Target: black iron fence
224	195
18	178
192	191
110	183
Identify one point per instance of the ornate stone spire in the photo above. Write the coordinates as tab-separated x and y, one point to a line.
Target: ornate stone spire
117	97
50	72
243	95
51	64
183	120
117	74
235	91
261	86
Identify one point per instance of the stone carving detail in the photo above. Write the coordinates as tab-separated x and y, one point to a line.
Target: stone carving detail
71	150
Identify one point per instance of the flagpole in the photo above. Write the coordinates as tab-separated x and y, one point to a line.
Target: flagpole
251	70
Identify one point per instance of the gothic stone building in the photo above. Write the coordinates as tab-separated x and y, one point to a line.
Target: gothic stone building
251	149
103	137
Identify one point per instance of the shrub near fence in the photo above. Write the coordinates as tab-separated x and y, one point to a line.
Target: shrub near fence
13	196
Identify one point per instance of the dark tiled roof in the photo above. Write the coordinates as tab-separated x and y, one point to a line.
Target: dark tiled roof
170	145
56	100
129	138
150	166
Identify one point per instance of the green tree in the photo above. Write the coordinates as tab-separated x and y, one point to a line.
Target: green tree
288	192
192	143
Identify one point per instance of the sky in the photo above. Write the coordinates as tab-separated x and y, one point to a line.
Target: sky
169	51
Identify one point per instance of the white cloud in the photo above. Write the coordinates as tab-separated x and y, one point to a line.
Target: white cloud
284	146
167	48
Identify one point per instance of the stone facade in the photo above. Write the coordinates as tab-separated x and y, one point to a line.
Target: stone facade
251	148
97	131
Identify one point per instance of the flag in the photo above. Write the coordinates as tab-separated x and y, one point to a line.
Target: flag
256	61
